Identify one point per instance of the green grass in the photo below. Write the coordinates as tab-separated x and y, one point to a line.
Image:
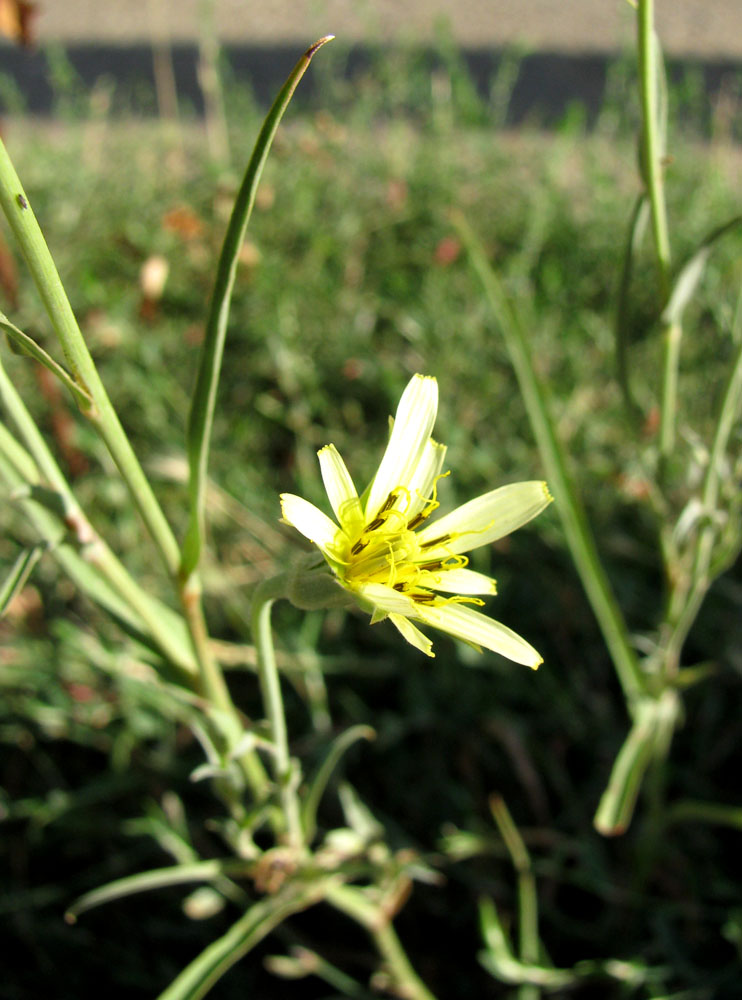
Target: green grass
358	282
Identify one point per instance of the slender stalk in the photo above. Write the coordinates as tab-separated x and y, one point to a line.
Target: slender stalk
689	593
730	408
691	811
648	739
528	940
215	118
97	407
354	903
30	347
98	554
197	979
653	153
574	520
270	684
672	335
211	683
637	227
99	411
201	416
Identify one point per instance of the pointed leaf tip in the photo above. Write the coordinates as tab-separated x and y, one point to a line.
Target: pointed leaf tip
318	45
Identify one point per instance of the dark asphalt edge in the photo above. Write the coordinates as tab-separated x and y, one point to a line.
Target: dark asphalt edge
546	85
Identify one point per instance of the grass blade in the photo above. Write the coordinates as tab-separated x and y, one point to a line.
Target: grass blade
197	979
647	740
692	271
637	227
574	520
91	394
500	961
158	878
19	574
319	784
29	346
529	946
201	415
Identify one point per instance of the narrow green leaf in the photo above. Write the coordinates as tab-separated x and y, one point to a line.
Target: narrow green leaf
647	739
500	961
18	576
617	803
201	415
357	815
29	346
318	785
304	962
158	878
678	298
691	273
197	979
653	92
21	461
574	520
20	215
100	575
637	228
716	813
529	945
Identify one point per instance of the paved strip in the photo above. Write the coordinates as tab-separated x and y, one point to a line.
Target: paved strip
710	29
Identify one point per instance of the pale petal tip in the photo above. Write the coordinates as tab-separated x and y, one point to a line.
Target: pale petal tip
547	495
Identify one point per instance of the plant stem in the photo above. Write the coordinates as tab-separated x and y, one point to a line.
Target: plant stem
648	739
653	154
100	412
574	520
672	334
203	401
270	684
652	145
354	903
97	552
197	979
528	939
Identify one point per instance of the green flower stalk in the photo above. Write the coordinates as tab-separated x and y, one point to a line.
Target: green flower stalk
393	560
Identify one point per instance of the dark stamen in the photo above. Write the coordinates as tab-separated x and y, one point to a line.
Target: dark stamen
389	502
435	541
417	519
358	547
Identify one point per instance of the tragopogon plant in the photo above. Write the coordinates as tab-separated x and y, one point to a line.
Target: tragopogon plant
696	511
387	552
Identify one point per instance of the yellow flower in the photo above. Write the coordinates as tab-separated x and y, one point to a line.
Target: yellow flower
396	562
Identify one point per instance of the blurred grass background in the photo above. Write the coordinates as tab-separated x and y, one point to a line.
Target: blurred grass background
351	280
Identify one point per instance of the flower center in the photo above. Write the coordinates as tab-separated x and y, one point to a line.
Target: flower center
387	551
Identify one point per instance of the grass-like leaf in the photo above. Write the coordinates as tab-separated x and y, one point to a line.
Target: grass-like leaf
16	579
692	271
574	520
637	228
323	775
158	878
201	415
197	979
29	346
